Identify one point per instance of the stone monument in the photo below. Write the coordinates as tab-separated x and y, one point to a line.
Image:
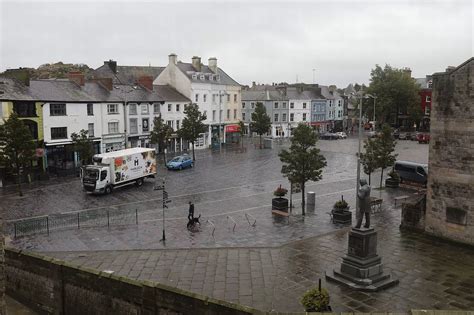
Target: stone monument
362	268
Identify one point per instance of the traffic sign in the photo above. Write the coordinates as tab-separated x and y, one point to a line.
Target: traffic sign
165	206
165	194
168	201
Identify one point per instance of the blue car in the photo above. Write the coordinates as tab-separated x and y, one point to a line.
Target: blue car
180	162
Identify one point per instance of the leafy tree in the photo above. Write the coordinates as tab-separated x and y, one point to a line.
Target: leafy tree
261	122
242	131
192	125
302	162
83	145
384	148
396	92
369	158
17	147
160	134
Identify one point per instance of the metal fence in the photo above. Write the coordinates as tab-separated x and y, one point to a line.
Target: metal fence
69	220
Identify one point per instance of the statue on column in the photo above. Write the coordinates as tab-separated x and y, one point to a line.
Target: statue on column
364	204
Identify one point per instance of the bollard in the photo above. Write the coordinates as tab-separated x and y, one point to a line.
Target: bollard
78	222
47	224
108	219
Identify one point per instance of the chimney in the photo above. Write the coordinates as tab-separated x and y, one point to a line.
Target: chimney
450	68
20	74
146	81
197	63
253	84
76	77
407	71
213	64
106	83
112	65
172	58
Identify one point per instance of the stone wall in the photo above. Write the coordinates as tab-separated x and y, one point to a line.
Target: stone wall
450	202
51	286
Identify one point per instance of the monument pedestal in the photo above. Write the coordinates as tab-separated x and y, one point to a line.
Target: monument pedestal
362	268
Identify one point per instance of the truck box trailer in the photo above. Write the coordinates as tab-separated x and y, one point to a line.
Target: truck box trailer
118	168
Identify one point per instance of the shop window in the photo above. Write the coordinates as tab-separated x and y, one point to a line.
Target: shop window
58	133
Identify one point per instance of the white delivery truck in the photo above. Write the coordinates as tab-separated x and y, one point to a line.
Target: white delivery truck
118	168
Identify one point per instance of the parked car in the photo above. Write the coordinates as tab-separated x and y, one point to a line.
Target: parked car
403	135
373	134
423	137
396	133
180	162
411	171
414	136
341	135
328	136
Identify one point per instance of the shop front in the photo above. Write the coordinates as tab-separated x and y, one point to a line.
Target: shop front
232	134
113	142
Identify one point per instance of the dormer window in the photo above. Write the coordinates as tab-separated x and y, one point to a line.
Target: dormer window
201	77
218	77
194	77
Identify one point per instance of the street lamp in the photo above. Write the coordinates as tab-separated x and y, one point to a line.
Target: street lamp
221	93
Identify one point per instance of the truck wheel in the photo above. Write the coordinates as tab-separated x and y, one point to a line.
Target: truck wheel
108	190
139	182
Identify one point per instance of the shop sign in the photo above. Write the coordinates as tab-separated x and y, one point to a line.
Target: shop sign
232	128
39	152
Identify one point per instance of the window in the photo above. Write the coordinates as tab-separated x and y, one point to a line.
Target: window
428	99
304	105
204	98
252	105
170	123
112	108
430	84
169	107
156	108
228	97
204	113
103	175
427	110
276	117
220	114
113	127
283	105
24	109
133	126
235	114
276	105
58	133
214	98
243	116
339	114
213	115
132	109
201	77
292	105
90	130
185	106
292	117
243	105
57	109
228	114
235	98
177	107
145	125
90	109
304	116
196	98
194	77
144	108
177	124
283	117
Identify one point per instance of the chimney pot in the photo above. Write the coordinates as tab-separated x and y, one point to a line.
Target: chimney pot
212	63
112	65
196	61
172	58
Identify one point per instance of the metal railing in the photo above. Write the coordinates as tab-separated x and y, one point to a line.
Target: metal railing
78	219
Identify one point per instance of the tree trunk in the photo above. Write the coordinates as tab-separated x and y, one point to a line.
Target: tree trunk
381	178
302	199
260	141
19	180
242	140
369	178
194	156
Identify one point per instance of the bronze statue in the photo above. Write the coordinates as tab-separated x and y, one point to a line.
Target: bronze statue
364	204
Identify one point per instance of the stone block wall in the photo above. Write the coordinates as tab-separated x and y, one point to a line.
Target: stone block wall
450	202
52	286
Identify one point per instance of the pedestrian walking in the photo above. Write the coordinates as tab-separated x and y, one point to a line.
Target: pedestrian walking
191	211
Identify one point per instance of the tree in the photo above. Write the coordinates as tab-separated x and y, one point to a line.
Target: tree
242	131
160	134
83	145
303	161
369	158
396	93
17	146
384	148
192	125
261	122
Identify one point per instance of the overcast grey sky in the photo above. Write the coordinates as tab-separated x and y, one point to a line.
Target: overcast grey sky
253	41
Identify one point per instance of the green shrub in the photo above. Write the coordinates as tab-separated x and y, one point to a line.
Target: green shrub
280	192
315	301
394	175
341	204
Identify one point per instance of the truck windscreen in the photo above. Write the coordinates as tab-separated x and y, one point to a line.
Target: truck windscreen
91	173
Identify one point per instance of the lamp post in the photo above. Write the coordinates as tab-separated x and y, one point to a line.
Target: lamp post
358	156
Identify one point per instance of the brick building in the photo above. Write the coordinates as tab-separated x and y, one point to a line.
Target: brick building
450	202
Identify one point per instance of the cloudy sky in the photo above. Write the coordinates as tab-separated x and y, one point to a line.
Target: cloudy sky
265	41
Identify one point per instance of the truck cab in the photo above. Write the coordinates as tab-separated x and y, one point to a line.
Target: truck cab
96	178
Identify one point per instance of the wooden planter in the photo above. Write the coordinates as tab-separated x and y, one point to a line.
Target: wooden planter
280	204
392	183
341	216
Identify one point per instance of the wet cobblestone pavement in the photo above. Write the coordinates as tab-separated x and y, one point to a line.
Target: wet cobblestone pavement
268	266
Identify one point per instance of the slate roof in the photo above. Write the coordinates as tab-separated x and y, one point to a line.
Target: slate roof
169	94
294	93
59	90
14	90
127	74
188	70
262	95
